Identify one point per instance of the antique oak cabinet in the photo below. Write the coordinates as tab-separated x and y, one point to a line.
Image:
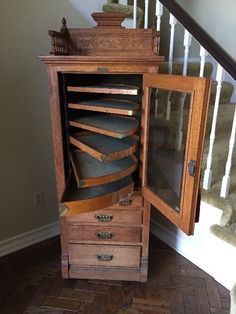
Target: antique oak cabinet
125	138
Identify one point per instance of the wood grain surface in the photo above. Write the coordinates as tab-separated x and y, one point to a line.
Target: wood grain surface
104	148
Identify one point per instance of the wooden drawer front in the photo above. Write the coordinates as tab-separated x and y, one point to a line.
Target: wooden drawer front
105	273
109	217
104	255
100	234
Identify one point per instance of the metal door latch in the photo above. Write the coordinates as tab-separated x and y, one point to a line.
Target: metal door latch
192	168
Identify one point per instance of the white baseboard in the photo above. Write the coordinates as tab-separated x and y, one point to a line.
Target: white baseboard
28	238
209	253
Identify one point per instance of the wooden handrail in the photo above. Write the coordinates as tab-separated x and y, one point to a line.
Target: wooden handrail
217	52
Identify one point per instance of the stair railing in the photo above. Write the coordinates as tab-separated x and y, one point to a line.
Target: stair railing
209	48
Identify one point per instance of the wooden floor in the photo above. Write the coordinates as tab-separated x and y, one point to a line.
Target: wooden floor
30	282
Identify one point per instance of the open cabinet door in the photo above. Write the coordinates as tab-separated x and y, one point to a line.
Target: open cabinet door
173	129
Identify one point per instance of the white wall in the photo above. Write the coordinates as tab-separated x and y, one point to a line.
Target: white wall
86	10
26	162
218	18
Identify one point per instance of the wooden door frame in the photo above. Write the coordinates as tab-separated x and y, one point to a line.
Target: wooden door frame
199	88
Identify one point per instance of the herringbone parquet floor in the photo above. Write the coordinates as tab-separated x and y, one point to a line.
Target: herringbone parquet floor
30	283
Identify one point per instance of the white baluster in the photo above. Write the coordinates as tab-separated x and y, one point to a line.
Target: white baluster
203	55
187	44
146	14
208	172
159	13
135	14
172	23
226	179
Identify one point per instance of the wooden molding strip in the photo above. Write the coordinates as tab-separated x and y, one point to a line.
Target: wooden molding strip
107	105
115	89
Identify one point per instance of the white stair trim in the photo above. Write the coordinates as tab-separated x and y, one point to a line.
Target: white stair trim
211	254
28	238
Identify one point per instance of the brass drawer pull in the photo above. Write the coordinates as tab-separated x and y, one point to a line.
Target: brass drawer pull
103	235
104	218
104	257
125	202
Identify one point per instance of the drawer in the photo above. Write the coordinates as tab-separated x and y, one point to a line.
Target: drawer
104	255
105	273
109	234
109	217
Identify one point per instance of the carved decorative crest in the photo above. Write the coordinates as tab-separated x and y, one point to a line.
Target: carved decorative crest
109	38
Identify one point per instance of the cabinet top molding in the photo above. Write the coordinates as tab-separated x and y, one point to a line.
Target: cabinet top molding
108	38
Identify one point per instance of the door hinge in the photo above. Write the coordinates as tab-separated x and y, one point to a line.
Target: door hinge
192	168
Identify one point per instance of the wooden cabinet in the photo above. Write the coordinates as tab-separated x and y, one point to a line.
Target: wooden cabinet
125	138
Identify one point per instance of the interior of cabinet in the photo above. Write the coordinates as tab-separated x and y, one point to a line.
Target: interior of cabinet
100	119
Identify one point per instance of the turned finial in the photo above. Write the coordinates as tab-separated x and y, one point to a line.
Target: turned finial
64	27
63	22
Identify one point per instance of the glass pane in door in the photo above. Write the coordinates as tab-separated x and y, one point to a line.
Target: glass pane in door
168	126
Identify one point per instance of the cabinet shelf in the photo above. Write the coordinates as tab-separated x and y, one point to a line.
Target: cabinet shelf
107	124
115	89
104	148
91	172
116	106
93	198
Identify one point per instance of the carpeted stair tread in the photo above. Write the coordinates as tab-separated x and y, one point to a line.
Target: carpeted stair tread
224	119
226	92
216	184
226	109
223	126
227	234
221	144
112	7
193	68
220	154
227	205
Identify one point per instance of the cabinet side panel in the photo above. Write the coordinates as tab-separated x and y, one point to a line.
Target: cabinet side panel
56	130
